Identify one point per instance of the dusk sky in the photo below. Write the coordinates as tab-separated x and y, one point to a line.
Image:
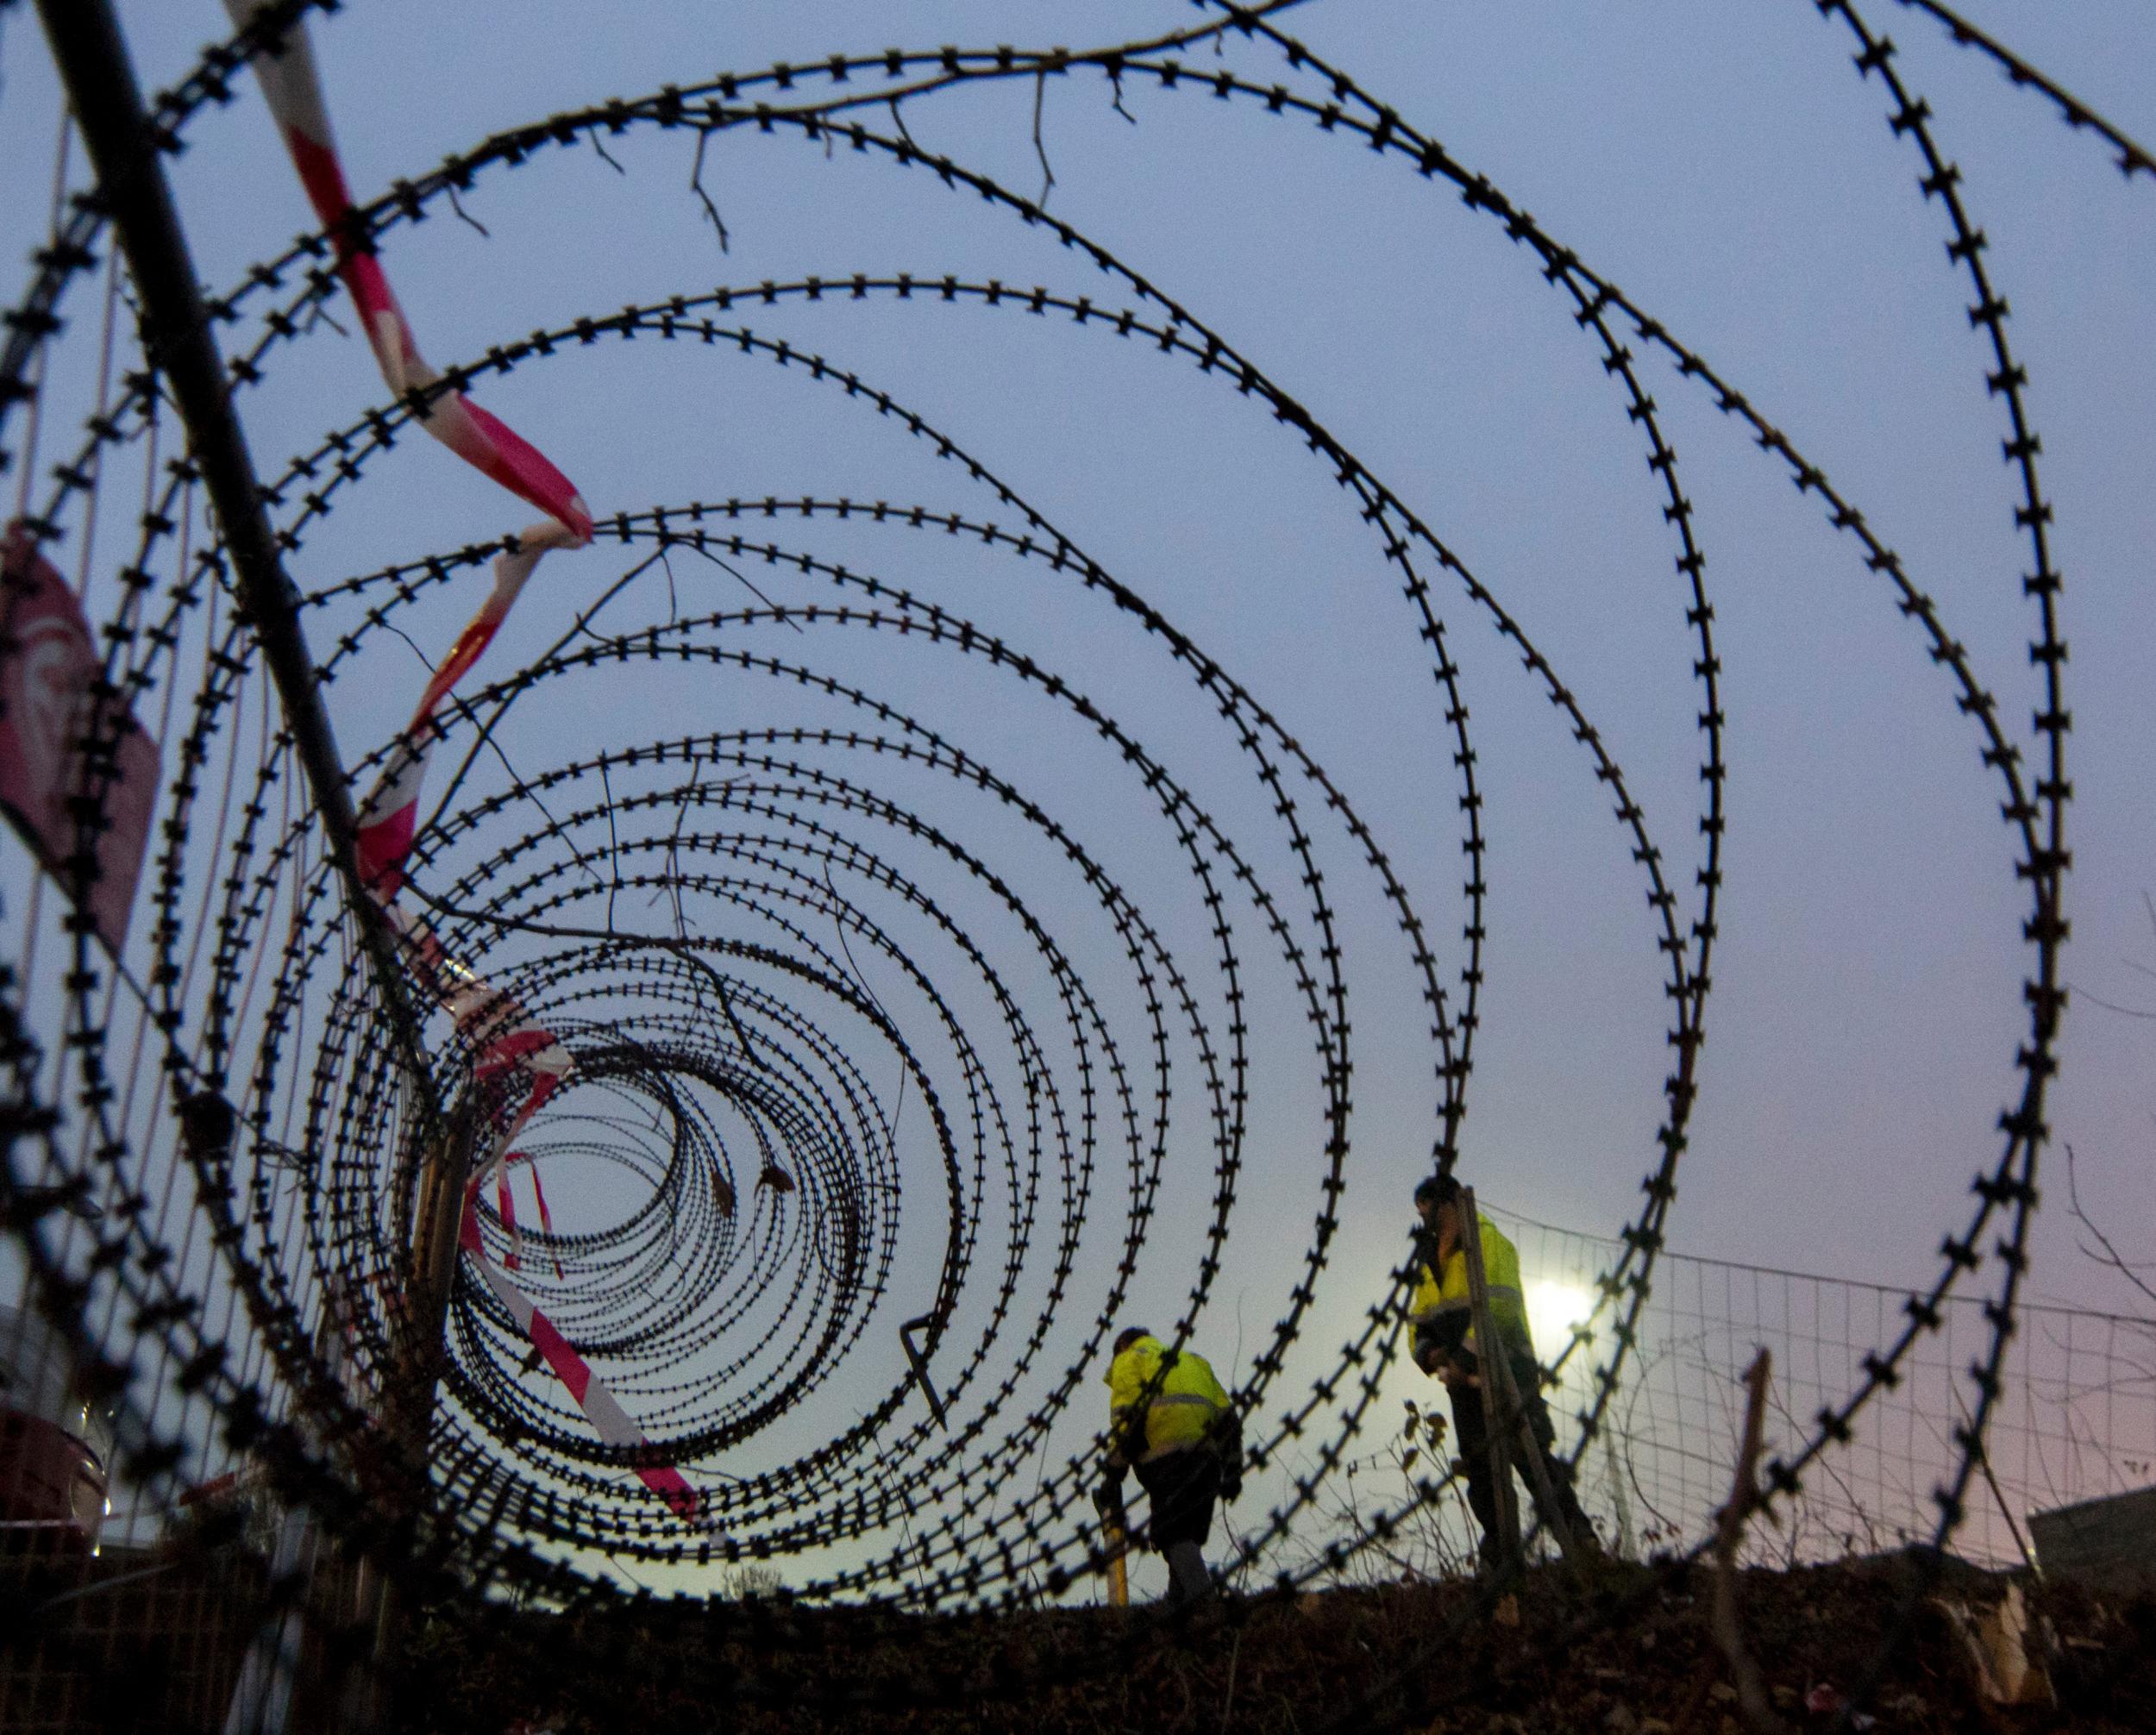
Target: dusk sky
1726	165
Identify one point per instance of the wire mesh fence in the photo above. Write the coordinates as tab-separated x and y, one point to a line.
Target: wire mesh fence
2075	1423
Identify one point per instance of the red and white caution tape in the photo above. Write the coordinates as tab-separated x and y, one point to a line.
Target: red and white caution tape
293	90
503	1037
389	815
507	1043
606	1415
539	1193
506	1202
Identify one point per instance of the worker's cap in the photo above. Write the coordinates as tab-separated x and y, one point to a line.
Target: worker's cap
1128	1336
1439	1190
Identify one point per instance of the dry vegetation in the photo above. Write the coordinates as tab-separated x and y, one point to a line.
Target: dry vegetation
1634	1658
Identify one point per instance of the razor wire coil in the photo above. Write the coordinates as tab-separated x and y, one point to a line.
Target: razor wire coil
740	1057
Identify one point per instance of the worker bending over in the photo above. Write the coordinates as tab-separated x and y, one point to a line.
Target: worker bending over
1170	1419
1443	1316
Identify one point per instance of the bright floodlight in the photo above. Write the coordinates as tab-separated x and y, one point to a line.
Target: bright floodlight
1553	1309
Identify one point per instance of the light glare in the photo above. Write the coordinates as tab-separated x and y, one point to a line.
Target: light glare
1553	1309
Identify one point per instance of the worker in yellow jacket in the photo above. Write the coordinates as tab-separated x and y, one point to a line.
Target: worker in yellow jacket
1170	1419
1442	1315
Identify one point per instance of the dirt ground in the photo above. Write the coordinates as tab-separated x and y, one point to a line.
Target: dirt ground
1630	1656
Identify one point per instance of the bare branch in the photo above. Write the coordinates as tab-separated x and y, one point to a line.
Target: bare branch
2110	1255
750	588
696	185
456	206
1115	78
614	838
898	120
1048	175
2110	1006
606	156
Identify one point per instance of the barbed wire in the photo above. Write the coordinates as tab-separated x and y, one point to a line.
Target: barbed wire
248	1287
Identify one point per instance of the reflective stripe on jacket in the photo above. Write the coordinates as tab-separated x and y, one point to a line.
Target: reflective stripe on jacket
1445	1311
1184	1405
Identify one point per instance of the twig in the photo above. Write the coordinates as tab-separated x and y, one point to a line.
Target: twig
1227	1699
409	640
899	119
696	185
673	851
1729	1531
466	215
2113	1006
837	905
1048	175
1984	1464
526	792
1115	78
486	731
751	589
614	854
103	1585
2110	1255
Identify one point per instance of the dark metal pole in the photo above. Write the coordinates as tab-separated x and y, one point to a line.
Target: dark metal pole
123	146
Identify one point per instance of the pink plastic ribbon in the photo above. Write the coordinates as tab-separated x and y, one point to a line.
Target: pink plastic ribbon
606	1414
507	1043
292	88
389	816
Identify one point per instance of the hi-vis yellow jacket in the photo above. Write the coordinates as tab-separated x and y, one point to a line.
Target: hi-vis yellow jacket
1441	1309
1183	1408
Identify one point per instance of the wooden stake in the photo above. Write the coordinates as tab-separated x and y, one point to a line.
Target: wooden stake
1537	1467
1729	1529
1505	1411
1497	1423
415	1376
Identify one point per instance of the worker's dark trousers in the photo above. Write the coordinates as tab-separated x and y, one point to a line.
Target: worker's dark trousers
1183	1486
1471	1427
